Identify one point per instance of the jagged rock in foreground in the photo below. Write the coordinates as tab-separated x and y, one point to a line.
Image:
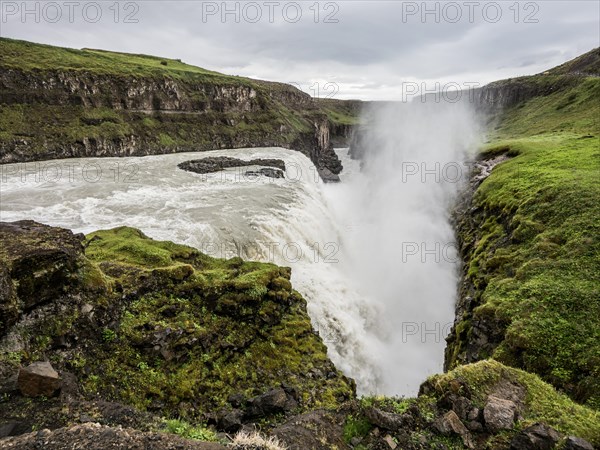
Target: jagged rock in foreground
485	405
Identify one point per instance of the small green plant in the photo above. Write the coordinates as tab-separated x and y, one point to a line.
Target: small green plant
108	335
13	357
188	431
356	427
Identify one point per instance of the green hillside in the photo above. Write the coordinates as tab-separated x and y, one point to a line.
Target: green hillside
532	247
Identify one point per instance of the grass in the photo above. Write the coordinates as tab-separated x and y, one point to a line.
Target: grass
533	255
341	112
33	57
542	402
199	329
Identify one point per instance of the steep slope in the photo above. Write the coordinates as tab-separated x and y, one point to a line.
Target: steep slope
59	102
495	97
530	236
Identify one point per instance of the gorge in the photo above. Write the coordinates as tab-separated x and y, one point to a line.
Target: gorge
178	309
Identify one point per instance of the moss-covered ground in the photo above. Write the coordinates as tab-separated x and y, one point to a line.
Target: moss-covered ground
534	255
200	329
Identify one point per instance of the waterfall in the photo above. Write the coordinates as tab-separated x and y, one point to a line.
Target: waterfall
356	249
400	248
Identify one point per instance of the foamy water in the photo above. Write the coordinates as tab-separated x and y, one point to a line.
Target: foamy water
285	221
382	311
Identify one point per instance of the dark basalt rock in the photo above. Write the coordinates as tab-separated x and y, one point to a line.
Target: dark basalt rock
218	163
536	437
272	402
37	264
386	420
575	443
230	421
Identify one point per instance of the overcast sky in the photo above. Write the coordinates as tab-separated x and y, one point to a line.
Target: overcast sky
349	49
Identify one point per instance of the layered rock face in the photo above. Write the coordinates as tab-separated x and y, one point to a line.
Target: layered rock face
72	111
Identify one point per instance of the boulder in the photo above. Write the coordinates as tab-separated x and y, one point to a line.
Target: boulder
230	421
385	420
39	379
499	414
272	402
536	437
449	424
575	443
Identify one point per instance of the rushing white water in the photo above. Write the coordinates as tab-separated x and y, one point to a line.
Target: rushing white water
285	221
382	308
399	246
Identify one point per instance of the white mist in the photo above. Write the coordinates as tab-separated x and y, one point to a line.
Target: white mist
399	248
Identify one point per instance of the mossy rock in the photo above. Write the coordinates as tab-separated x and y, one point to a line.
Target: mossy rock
200	329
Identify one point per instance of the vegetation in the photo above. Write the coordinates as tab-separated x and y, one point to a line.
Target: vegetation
542	402
185	430
202	329
119	102
341	112
31	56
533	247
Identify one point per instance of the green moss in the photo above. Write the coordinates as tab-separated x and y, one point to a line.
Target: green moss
203	328
542	402
188	431
533	253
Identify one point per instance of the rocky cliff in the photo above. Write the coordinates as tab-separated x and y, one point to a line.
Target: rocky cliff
60	103
152	325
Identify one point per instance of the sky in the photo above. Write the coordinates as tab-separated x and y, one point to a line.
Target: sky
369	50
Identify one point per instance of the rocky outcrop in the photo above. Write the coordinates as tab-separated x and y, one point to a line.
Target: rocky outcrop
92	90
152	325
482	405
38	263
219	163
495	97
